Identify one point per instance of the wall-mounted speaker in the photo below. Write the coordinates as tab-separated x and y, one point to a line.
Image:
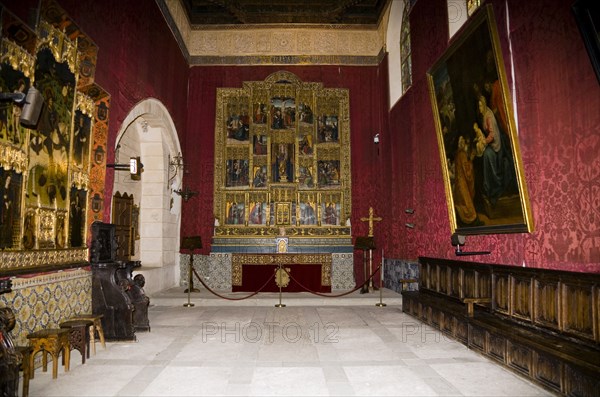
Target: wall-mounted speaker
32	108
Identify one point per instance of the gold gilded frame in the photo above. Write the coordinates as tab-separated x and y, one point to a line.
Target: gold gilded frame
483	177
241	123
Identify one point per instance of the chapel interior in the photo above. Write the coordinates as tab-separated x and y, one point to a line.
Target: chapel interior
372	197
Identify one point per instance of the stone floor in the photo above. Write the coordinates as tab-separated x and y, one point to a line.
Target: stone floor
315	346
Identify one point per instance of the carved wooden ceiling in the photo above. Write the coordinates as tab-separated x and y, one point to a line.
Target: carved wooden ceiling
257	12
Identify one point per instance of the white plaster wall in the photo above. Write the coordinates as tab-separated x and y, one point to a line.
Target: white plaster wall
457	15
154	140
393	48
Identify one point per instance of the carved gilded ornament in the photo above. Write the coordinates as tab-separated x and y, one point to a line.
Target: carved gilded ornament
63	48
17	57
85	104
13	158
30	259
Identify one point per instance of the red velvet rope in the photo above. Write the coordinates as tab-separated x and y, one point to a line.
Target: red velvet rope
292	277
228	298
332	296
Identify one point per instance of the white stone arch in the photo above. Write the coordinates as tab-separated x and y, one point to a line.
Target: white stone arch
148	131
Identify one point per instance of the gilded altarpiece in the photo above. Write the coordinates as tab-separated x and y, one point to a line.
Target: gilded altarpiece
282	160
45	170
52	175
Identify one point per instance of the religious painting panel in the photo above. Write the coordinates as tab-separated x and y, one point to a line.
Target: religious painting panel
235	212
81	140
50	142
260	113
479	148
237	173
78	198
259	179
238	120
282	160
306	175
330	211
60	239
30	230
305	114
11	132
327	128
329	173
257	209
259	145
305	144
308	208
283	113
10	211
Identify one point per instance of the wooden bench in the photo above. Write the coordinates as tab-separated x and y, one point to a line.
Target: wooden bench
542	324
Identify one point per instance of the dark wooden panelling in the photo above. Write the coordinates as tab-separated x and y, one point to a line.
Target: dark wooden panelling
519	357
546	303
544	324
578	383
497	347
501	292
477	338
579	318
521	298
548	370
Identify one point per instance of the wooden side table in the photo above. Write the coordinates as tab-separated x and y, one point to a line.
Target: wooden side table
79	338
53	341
96	327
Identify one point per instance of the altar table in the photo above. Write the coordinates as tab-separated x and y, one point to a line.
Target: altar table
308	271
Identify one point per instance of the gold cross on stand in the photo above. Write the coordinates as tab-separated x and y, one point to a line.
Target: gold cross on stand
371	219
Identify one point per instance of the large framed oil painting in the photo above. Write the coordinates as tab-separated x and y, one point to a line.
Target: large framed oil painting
479	148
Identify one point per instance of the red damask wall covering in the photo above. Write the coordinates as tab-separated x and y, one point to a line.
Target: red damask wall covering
558	107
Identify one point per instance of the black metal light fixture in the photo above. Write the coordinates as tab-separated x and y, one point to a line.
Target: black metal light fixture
458	241
32	105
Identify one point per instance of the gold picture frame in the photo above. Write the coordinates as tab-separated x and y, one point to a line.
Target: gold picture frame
479	148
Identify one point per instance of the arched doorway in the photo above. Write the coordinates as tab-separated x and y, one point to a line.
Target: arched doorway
148	131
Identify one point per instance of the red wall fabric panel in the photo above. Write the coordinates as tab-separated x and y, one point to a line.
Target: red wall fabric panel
557	99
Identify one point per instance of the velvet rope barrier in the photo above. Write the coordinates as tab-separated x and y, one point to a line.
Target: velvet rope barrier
333	296
226	297
292	277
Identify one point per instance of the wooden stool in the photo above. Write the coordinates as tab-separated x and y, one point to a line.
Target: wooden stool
96	327
51	341
79	338
25	353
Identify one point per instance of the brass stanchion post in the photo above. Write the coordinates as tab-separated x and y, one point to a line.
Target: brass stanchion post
190	285
380	303
278	277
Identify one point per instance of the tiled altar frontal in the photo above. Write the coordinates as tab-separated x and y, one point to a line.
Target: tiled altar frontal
215	270
46	300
